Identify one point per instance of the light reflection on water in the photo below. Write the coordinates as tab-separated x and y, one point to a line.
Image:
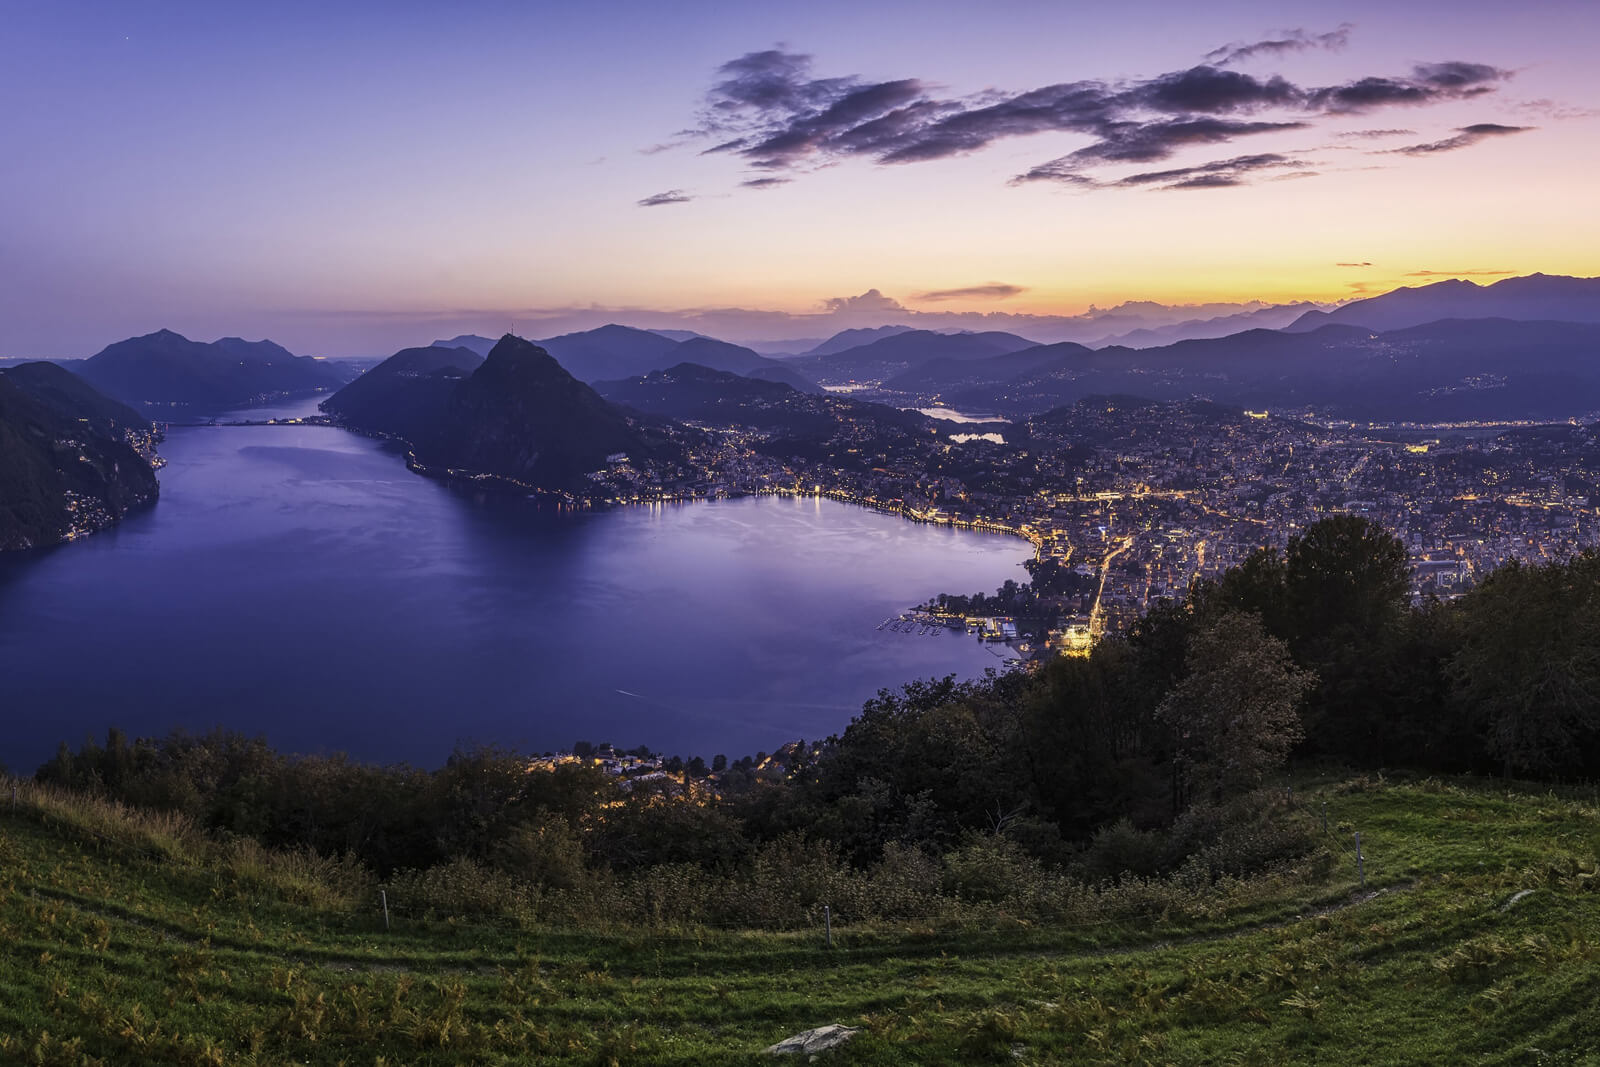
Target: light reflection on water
298	581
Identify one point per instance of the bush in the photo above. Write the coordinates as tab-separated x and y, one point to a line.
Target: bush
1120	850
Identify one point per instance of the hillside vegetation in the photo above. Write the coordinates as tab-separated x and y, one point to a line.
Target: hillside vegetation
1124	856
132	938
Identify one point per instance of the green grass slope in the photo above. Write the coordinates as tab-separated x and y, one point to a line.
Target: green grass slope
129	938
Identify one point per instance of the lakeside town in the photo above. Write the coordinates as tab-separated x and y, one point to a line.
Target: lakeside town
1137	499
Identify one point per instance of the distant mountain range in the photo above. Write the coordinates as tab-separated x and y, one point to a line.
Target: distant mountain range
470	341
847	339
1454	369
66	467
516	414
938	375
1270	318
165	370
1535	297
613	352
905	349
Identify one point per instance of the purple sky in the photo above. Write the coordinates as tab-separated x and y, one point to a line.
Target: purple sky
352	178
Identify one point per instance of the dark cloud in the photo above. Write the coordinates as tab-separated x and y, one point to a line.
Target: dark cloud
1429	83
671	196
1212	91
1157	141
1465	137
1153	141
1456	76
1363	264
988	291
768	109
1289	41
765	183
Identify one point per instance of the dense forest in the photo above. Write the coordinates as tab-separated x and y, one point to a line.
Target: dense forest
1144	759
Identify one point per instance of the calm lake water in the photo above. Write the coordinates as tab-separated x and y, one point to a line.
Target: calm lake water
299	582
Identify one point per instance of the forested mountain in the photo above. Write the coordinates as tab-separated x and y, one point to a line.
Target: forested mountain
71	397
165	370
520	415
66	468
701	394
516	414
407	392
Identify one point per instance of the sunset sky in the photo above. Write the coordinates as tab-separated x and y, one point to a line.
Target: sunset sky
349	178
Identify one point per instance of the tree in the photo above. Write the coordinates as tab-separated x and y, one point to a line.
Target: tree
1236	714
1343	575
1528	668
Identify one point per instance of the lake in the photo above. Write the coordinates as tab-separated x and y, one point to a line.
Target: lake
299	582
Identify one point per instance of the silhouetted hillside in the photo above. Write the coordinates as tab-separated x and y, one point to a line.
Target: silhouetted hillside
164	370
407	393
521	416
71	397
1492	368
516	414
847	339
1536	297
911	349
474	343
940	374
612	353
702	394
64	469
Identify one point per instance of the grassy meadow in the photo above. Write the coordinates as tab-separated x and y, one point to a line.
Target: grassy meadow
131	938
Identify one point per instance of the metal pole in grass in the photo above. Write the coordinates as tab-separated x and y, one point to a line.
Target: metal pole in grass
1324	814
1361	864
383	898
827	923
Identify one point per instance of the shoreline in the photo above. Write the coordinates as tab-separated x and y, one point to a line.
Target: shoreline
576	502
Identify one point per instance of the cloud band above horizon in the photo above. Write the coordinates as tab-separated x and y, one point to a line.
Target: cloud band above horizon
768	110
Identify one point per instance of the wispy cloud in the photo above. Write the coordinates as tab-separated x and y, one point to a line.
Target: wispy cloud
1457	273
1465	137
671	196
987	291
768	109
1217	174
1556	111
765	183
1362	264
1373	135
1287	41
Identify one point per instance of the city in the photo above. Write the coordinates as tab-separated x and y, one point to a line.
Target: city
1143	497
